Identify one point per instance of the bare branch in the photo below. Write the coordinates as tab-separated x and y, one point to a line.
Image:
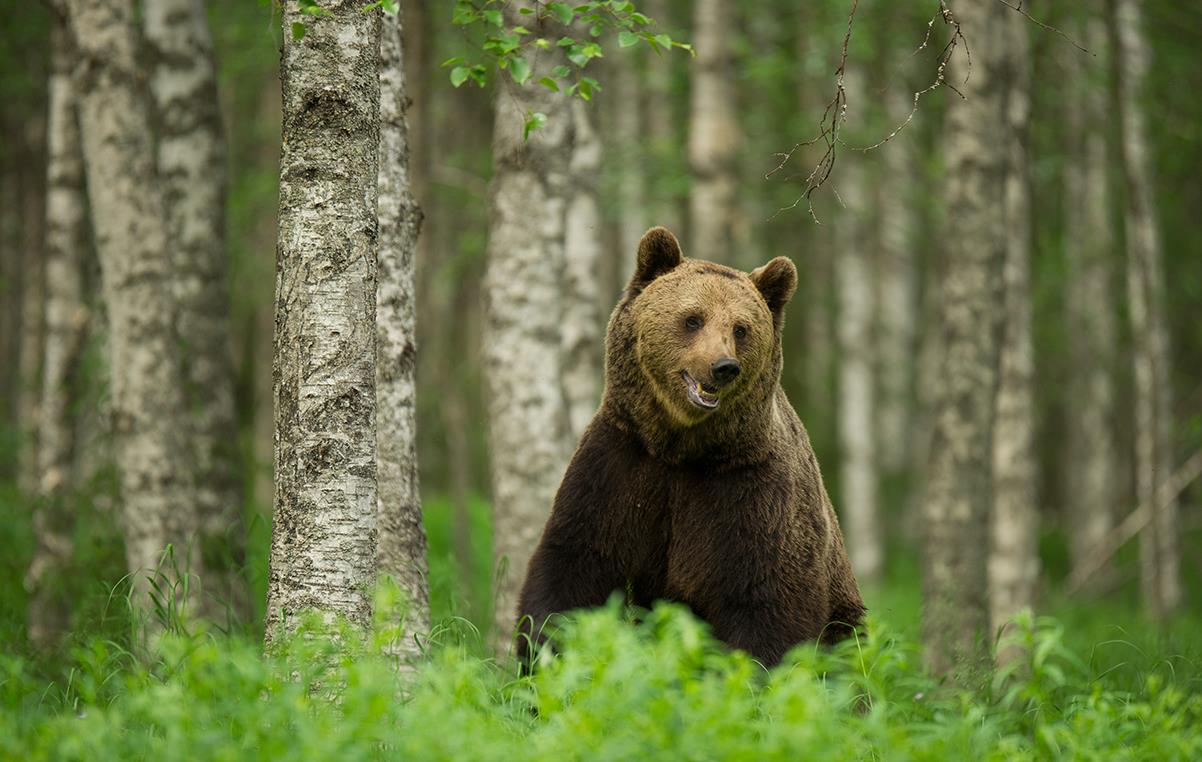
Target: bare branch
1019	9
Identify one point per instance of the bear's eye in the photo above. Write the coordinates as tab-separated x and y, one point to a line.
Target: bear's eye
740	332
692	322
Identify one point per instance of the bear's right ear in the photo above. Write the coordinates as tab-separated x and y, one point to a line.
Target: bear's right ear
659	252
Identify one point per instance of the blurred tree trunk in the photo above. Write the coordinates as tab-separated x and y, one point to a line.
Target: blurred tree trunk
149	407
1159	543
323	544
32	197
66	332
530	435
956	612
713	134
582	326
1014	557
859	507
1092	458
662	136
192	173
10	302
629	142
402	543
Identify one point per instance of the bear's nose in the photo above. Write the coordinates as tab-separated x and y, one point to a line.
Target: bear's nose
725	370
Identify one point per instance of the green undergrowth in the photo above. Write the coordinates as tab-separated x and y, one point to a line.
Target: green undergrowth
651	686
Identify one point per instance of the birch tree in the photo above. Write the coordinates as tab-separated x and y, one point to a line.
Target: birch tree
192	174
956	508
1159	543
530	437
857	415
713	134
66	330
402	539
155	469
323	543
1092	457
1013	558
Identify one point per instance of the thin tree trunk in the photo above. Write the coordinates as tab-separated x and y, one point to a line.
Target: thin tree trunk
956	612
32	197
530	436
323	544
192	173
128	218
629	143
1092	458
66	331
857	416
1013	557
713	134
582	329
402	544
1159	549
662	128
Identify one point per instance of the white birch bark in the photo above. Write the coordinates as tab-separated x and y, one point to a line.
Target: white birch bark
192	174
1013	557
66	330
402	543
530	437
859	507
582	330
129	223
956	508
1159	544
1092	457
323	543
713	134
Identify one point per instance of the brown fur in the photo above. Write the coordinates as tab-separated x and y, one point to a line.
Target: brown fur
722	510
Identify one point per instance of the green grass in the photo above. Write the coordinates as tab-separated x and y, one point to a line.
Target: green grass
1096	681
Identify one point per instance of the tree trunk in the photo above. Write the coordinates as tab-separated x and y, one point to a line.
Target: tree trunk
1014	551
713	135
956	613
857	416
402	548
1159	551
582	329
323	544
663	131
66	331
32	196
1092	459
530	437
629	144
192	173
129	221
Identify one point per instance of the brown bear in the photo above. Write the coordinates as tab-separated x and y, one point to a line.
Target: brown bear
695	481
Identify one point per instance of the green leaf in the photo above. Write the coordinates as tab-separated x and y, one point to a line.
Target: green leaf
453	61
298	30
519	69
459	75
627	39
561	71
562	13
550	84
663	40
534	120
493	17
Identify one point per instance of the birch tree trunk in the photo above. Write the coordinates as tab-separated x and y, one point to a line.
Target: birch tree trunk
192	173
156	470
1159	549
857	415
1092	458
956	509
582	328
713	134
402	544
530	437
66	331
1013	558
323	543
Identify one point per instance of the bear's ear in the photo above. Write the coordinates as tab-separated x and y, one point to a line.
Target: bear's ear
776	281
659	252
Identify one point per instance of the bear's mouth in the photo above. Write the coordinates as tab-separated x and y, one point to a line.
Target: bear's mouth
698	394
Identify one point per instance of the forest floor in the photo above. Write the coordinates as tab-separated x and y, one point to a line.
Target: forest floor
1095	681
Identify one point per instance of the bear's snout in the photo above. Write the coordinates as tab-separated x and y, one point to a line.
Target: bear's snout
724	371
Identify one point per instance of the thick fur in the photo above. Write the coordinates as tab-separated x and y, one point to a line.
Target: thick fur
722	510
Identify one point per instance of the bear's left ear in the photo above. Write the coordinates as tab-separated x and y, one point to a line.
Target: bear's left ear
659	252
776	281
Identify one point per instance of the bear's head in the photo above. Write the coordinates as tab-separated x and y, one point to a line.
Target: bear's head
702	338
